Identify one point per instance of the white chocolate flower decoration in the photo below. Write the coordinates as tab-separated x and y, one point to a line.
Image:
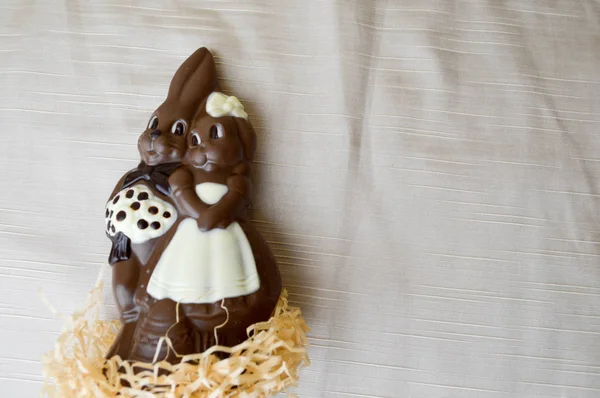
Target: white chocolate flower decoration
219	104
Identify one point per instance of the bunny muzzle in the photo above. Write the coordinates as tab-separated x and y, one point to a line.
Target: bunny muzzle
158	147
197	158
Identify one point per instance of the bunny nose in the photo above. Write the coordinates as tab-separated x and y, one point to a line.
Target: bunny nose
154	134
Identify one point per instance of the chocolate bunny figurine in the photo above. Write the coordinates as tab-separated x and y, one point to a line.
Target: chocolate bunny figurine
187	262
217	266
139	214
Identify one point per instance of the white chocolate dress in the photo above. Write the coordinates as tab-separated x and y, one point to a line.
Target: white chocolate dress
204	267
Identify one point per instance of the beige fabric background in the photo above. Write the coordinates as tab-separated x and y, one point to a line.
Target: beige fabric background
427	175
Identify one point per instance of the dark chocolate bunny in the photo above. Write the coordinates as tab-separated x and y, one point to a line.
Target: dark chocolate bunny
140	215
211	261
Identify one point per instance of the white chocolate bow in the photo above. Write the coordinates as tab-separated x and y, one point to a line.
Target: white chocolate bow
219	104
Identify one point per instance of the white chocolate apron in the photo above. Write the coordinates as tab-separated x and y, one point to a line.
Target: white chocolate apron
204	267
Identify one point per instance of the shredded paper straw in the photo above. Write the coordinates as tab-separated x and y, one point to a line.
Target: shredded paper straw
263	365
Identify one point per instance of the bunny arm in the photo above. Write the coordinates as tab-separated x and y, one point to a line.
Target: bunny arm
125	277
230	207
183	192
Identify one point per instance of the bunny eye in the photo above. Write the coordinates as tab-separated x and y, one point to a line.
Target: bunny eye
153	123
217	131
178	128
196	139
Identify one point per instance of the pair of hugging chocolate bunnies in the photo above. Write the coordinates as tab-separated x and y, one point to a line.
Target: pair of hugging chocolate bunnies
187	263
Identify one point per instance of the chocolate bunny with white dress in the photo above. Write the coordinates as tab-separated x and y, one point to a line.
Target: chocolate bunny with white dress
140	216
217	266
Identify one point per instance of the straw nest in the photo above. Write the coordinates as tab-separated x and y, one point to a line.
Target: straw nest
265	364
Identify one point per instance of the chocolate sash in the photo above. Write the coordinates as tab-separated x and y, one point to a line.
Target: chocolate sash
158	176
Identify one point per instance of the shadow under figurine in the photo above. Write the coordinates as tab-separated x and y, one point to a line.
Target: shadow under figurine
187	262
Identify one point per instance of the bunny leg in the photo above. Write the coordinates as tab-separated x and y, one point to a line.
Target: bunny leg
161	321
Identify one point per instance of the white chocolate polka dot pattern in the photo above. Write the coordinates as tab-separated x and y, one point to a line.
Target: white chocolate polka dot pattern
139	214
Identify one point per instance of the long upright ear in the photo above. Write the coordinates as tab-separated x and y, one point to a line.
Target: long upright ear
247	137
195	79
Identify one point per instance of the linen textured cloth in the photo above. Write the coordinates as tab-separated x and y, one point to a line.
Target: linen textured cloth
427	176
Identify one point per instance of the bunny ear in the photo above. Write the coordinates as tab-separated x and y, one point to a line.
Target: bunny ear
195	79
247	136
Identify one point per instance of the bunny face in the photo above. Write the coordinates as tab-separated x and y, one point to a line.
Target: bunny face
163	141
214	143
